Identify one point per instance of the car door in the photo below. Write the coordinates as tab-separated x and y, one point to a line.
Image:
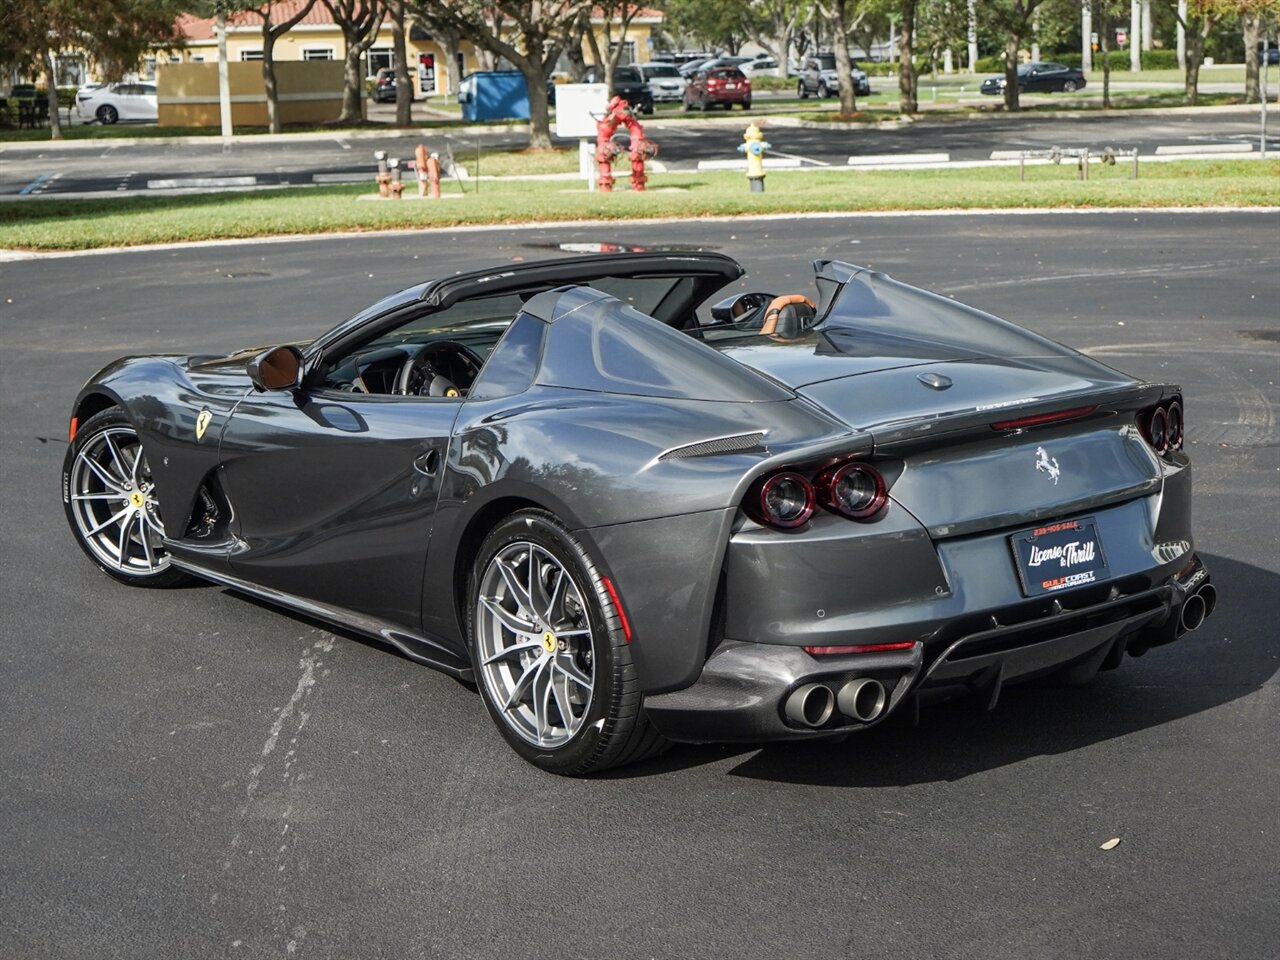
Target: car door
333	495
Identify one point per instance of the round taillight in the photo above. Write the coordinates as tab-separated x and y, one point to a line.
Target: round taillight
854	490
786	500
1174	428
1158	430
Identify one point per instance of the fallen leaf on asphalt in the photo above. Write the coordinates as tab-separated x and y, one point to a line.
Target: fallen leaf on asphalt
1110	844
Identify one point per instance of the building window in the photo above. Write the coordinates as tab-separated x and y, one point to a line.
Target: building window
197	58
247	55
317	53
379	59
628	52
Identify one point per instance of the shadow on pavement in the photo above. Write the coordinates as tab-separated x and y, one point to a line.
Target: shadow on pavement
1232	656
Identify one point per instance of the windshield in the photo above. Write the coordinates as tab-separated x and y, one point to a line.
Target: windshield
626	75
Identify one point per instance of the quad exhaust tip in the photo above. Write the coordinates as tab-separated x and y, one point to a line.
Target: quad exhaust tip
1197	607
863	699
811	705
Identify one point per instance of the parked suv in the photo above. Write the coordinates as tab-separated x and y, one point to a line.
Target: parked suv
628	83
721	86
818	76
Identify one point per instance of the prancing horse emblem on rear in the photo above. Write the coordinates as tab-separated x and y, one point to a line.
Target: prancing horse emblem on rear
202	422
1047	464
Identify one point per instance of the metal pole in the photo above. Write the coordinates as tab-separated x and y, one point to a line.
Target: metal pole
1022	165
224	85
1135	163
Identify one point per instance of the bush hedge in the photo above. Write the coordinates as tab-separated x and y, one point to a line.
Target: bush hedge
1151	60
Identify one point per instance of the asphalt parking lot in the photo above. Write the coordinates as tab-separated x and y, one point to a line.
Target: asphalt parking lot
190	774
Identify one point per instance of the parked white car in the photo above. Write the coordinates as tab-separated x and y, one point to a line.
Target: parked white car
665	82
117	101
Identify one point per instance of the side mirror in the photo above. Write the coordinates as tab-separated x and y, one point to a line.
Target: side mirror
279	368
740	307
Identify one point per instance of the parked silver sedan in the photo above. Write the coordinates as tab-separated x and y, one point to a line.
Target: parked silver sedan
665	81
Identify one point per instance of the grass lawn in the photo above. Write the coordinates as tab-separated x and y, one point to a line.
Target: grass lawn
52	224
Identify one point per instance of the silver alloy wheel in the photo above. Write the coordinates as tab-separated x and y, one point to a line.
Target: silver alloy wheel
114	505
534	644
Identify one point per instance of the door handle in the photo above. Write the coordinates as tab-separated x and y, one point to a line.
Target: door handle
427	463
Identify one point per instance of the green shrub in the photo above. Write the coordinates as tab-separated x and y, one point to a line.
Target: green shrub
990	65
759	82
888	68
1159	59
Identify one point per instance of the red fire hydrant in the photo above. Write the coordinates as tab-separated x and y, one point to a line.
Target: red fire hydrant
427	166
617	114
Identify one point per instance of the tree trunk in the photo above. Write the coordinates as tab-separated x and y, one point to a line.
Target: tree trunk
906	65
1195	54
1011	71
269	78
51	94
844	69
353	85
1104	36
539	108
1252	29
400	62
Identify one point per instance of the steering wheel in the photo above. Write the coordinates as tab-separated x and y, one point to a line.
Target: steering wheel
424	374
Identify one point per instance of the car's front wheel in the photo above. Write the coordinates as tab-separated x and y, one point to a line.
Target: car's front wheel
802	91
110	501
107	114
823	91
551	657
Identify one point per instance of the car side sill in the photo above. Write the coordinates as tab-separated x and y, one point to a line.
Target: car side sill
422	649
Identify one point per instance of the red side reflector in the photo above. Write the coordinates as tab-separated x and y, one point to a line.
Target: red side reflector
860	648
1040	418
71	431
617	605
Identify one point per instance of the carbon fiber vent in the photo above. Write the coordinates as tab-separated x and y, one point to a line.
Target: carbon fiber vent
738	443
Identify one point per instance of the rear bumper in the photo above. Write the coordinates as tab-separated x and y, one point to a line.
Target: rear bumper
744	687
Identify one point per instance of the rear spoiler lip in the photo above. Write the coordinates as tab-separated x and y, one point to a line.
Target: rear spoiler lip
896	435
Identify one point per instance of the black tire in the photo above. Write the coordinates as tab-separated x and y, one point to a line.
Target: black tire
823	90
1068	86
746	105
107	114
612	728
802	91
88	501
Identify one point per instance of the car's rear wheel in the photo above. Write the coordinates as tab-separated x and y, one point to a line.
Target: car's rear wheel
802	91
107	114
1069	86
746	104
550	655
110	500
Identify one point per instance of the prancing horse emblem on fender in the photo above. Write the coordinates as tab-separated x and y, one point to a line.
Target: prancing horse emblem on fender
202	422
1048	465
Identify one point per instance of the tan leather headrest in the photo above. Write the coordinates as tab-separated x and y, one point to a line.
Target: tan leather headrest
775	309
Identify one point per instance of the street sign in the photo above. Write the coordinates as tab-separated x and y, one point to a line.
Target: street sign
426	74
1122	36
578	107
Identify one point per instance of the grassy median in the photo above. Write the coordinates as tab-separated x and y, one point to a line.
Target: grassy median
52	224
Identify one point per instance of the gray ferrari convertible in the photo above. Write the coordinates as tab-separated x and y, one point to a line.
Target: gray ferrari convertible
631	512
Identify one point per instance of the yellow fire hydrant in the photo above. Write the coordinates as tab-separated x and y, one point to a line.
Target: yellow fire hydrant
754	145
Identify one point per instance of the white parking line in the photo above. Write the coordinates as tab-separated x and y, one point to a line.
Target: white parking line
792	156
341	177
176	184
342	143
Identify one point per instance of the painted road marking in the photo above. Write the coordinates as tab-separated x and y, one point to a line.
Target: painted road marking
792	156
177	184
31	187
342	143
340	177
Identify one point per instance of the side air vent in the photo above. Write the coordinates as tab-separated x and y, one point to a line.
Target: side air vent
738	443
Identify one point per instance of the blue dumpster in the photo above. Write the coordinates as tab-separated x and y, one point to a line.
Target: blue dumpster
494	95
